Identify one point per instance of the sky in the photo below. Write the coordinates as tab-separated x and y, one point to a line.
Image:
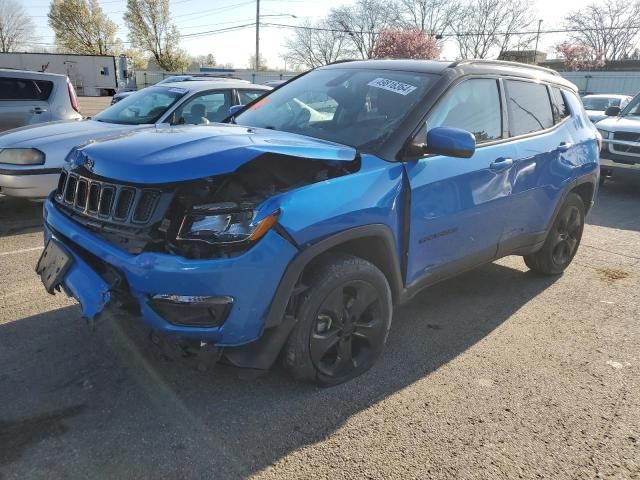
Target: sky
195	16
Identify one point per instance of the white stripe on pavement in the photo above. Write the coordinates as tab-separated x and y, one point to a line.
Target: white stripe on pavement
24	250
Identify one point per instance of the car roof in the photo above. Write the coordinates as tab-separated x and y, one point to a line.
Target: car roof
213	84
460	67
18	72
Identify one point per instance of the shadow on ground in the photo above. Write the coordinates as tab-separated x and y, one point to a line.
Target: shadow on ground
19	216
78	403
618	202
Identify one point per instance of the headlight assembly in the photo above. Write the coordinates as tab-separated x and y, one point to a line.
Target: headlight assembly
605	133
224	224
21	156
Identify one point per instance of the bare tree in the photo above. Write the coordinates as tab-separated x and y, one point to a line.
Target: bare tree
151	30
610	29
81	26
363	21
316	44
16	28
484	26
430	16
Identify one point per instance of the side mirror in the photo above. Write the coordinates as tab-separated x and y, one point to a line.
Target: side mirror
235	109
453	142
612	111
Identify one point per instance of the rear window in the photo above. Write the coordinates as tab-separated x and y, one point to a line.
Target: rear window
529	107
24	89
560	109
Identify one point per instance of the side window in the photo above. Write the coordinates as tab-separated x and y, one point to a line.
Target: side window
247	96
24	89
560	109
474	105
203	108
529	107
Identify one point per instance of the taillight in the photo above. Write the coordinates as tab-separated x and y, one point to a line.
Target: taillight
72	97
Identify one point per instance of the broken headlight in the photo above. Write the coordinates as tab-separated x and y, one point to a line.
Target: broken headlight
224	224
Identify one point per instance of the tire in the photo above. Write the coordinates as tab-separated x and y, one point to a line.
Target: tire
343	321
562	241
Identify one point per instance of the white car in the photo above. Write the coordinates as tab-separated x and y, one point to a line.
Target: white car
596	105
620	138
31	157
28	98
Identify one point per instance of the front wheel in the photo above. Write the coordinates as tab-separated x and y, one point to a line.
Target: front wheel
343	322
563	239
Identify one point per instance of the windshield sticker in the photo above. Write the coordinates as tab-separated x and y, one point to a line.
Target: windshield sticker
178	90
392	86
259	103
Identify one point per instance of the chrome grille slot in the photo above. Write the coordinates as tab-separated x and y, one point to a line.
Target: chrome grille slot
106	200
145	206
81	193
62	181
94	197
123	203
70	189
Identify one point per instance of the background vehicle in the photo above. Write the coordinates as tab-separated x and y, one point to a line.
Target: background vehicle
176	78
38	153
596	105
28	98
297	233
621	138
91	75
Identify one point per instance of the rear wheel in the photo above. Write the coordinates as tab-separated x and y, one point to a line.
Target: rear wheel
563	239
343	322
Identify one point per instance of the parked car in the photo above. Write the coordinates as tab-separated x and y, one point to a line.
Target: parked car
620	138
278	234
596	105
28	98
31	157
173	79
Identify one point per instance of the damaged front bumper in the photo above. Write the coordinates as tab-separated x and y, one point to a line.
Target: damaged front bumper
244	284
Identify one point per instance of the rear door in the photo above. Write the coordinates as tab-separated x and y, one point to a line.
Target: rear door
459	205
538	120
24	101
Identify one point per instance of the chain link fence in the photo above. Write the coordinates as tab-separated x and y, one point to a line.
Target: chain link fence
145	78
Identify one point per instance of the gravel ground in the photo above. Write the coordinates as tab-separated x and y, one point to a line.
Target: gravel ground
89	106
496	374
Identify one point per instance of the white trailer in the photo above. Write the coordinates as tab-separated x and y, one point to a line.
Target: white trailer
91	75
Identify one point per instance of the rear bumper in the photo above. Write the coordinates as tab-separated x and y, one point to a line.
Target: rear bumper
250	279
28	183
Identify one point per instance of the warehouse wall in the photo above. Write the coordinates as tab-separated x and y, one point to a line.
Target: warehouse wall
626	83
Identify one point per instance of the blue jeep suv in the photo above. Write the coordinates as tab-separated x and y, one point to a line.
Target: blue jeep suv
294	228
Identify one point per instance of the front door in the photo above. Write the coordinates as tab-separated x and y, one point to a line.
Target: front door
458	205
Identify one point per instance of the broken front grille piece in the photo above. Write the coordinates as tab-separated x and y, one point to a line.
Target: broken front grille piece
107	201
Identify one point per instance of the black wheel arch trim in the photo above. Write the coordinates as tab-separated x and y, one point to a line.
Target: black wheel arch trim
263	352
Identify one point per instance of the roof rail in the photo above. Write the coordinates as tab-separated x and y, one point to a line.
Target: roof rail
506	64
346	60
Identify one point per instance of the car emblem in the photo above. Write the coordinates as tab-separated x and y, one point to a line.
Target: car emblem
88	163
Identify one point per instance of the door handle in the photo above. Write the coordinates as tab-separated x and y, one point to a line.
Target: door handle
501	164
38	110
564	146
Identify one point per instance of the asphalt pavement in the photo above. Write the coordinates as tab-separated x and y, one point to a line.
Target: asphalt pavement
499	373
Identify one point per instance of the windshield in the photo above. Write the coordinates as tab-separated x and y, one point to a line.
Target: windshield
600	103
145	106
632	109
348	106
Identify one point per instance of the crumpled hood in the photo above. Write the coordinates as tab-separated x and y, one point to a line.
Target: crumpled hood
624	124
173	154
75	131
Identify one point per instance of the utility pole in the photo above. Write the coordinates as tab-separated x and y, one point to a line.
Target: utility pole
257	35
535	51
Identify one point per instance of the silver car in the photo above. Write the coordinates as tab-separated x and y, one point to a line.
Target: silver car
596	105
31	157
27	98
